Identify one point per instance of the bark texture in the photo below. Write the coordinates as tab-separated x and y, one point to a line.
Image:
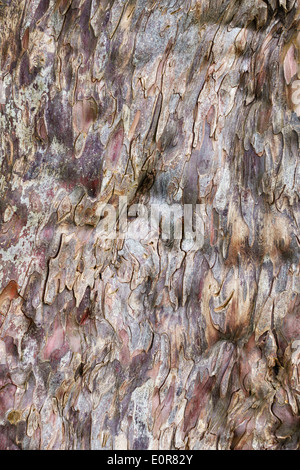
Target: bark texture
149	344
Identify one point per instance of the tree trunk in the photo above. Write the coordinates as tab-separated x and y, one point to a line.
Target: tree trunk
149	340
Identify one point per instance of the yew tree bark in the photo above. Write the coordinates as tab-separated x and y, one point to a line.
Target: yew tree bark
150	343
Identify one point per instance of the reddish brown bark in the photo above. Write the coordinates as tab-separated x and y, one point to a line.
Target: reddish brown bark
149	343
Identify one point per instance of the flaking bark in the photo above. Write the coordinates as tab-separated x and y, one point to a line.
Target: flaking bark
149	344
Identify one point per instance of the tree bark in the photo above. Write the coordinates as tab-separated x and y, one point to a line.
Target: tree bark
146	342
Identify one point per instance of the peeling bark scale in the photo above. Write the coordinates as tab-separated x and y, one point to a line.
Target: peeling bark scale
143	342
